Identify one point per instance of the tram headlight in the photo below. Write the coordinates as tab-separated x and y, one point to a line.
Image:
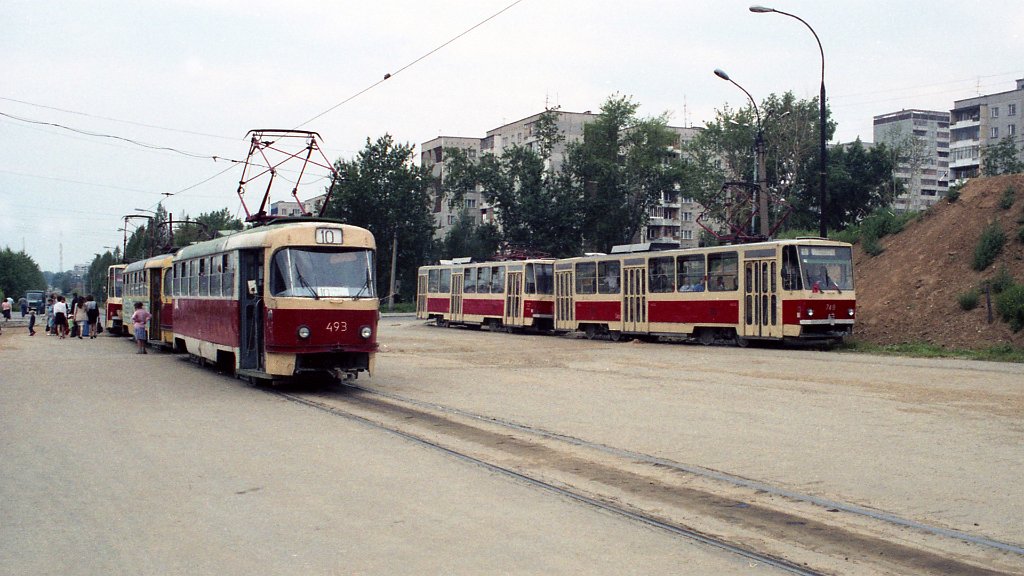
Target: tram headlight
850	312
366	332
810	312
303	332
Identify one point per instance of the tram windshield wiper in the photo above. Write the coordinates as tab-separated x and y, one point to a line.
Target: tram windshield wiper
304	284
366	285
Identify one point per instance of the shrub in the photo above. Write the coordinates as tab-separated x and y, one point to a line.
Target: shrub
954	193
1010	305
968	300
872	246
989	246
1001	281
1009	195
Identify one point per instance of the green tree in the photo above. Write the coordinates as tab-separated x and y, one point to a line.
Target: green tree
467	238
859	182
96	281
534	206
383	191
204	227
619	171
1001	158
724	151
18	273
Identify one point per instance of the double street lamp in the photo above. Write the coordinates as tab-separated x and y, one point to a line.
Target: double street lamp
822	150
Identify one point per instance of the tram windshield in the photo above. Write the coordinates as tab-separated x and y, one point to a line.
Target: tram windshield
317	273
826	268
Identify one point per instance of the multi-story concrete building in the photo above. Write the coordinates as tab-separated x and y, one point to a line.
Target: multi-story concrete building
289	208
673	219
980	122
921	138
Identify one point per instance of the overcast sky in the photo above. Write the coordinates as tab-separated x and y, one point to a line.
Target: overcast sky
197	75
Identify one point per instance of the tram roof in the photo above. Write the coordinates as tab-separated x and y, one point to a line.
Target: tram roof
283	232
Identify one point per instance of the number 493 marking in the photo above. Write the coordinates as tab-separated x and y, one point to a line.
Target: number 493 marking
337	326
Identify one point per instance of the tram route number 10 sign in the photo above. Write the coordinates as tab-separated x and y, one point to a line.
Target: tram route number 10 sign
329	236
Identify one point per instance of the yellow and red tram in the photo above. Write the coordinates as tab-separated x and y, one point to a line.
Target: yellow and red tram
146	281
783	290
114	319
277	301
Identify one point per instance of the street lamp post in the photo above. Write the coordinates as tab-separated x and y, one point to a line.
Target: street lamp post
822	150
760	171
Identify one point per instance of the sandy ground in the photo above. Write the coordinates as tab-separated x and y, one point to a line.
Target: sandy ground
114	463
936	441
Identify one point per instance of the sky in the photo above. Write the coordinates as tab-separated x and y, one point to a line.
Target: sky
196	75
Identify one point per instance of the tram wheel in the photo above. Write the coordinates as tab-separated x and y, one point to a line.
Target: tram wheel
591	331
615	335
742	342
706	337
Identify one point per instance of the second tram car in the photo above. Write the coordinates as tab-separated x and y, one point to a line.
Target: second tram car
281	300
146	282
785	290
512	294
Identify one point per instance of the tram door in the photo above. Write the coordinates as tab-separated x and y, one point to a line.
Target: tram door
455	300
634	302
421	296
155	305
513	299
565	314
250	294
760	299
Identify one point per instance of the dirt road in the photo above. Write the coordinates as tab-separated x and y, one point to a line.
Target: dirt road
114	463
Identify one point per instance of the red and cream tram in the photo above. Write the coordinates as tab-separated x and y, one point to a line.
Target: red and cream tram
281	300
513	294
785	290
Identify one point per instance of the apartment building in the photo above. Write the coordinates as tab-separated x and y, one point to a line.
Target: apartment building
290	208
673	219
980	122
922	140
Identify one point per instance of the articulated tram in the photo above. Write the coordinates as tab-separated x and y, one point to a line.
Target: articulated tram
278	301
784	290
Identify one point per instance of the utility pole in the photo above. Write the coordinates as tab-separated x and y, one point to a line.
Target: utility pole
394	262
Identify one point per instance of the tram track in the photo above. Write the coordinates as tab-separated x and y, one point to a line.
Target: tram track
765	524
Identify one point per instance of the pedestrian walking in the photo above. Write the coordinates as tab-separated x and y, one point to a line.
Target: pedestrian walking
92	313
60	317
23	303
32	323
5	309
139	319
81	318
49	316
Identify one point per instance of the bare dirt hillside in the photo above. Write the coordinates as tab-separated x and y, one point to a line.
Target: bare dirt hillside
908	293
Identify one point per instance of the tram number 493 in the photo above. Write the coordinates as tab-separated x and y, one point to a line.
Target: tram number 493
337	326
329	236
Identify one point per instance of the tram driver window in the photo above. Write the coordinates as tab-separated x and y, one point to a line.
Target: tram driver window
722	269
662	272
791	269
586	278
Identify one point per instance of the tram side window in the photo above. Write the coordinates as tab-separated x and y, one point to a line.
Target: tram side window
228	279
469	281
483	280
193	278
204	278
545	278
691	273
498	280
586	278
722	270
661	272
445	284
791	269
166	284
610	274
216	271
433	280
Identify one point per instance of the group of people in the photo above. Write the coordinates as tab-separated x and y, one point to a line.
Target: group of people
77	318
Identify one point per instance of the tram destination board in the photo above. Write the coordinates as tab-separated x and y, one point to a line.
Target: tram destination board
329	236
